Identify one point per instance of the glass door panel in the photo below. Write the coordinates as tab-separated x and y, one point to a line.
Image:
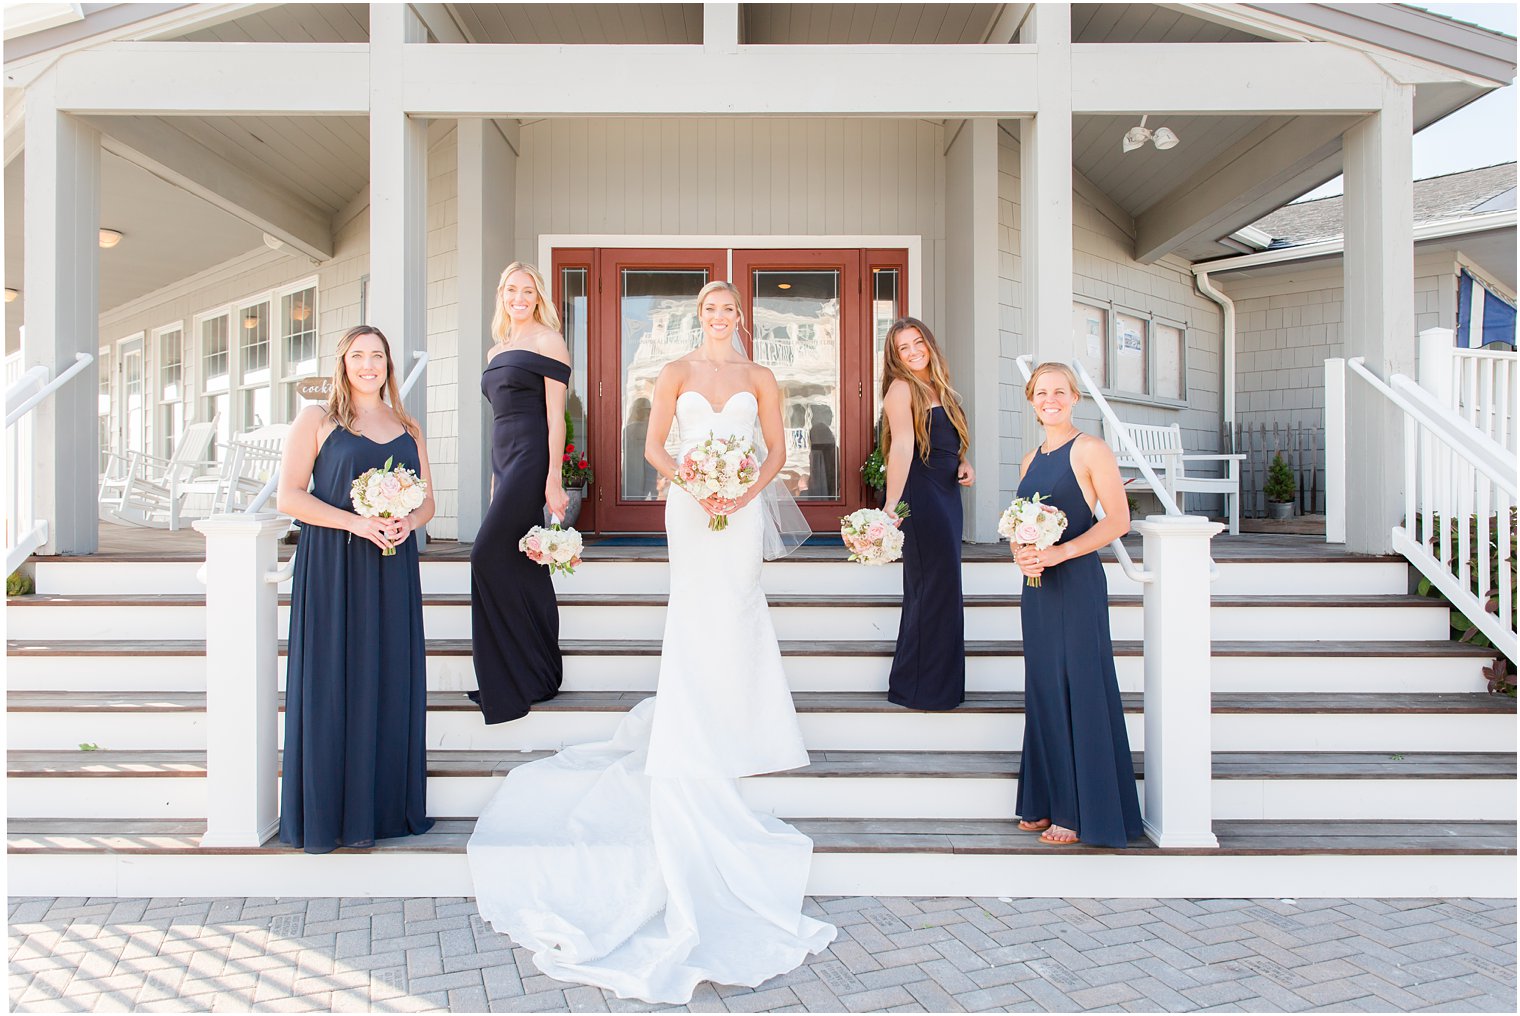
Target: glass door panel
134	398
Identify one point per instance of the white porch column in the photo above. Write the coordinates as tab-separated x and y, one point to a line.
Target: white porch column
1178	737
397	197
1379	323
1046	182
487	228
242	658
62	287
970	328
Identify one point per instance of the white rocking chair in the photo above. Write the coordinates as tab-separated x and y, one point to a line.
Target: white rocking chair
145	490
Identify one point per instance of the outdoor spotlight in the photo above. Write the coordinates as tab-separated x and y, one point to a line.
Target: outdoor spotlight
1136	137
109	238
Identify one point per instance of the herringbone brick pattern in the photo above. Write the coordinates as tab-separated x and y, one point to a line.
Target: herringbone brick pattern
892	954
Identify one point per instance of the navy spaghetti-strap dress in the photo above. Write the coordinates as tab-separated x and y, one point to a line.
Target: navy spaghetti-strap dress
929	665
355	763
1076	768
514	615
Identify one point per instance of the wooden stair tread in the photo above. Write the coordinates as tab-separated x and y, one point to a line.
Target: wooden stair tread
821	702
61	837
832	763
795	647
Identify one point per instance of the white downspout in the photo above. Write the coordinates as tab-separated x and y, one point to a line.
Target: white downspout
1206	287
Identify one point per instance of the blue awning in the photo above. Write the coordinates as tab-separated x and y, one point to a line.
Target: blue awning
1483	316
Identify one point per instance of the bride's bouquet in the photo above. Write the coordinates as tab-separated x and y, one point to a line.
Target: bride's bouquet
556	548
870	536
1027	522
723	467
388	494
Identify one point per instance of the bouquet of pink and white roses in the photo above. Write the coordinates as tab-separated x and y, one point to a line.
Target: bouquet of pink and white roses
388	493
870	535
556	548
1030	523
723	467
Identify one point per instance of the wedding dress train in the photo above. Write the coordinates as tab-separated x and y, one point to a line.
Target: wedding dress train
633	864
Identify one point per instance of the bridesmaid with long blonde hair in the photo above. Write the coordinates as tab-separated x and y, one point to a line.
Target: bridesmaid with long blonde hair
924	441
514	614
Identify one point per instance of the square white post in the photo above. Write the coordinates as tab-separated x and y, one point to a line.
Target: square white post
242	658
397	199
1179	803
62	286
1335	450
1379	305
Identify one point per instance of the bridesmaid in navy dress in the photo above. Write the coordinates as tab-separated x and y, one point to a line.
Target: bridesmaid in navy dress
514	613
1077	779
355	765
924	444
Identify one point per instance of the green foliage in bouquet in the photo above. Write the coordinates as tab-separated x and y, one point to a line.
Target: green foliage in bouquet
1280	486
575	471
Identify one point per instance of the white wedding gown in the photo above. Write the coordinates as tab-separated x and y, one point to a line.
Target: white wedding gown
633	864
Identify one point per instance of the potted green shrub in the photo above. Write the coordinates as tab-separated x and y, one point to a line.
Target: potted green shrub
575	473
1280	488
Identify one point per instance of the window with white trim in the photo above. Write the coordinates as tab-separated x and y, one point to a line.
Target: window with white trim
103	407
216	374
170	350
300	348
1131	354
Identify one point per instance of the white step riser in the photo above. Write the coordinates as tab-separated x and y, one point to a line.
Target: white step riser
904	731
837	797
792	623
1235	578
1124	875
805	673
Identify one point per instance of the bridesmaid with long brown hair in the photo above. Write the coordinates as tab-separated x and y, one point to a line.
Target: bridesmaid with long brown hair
355	767
924	443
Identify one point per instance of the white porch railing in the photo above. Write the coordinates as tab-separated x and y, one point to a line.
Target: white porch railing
1459	526
24	532
1484	386
1178	652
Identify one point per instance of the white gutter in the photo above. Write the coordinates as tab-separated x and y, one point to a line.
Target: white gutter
1206	287
1439	230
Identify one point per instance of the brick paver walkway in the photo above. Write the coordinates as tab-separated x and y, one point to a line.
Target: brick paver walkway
898	955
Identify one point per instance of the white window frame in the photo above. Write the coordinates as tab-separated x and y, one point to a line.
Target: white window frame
239	388
105	363
165	442
201	391
119	394
1107	384
281	377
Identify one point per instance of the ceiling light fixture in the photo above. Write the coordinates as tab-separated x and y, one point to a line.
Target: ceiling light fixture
251	321
783	285
1136	137
10	295
109	238
300	312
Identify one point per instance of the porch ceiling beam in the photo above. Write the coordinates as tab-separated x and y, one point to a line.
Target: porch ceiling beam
1245	77
518	81
182	161
1264	170
199	79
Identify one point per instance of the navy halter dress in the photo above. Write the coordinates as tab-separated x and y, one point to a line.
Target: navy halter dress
929	665
1076	768
355	763
514	615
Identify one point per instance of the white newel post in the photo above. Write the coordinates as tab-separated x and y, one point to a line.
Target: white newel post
1438	364
242	659
1178	721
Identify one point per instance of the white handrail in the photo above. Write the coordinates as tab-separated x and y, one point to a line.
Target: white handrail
1459	507
1126	563
14	413
273	483
24	532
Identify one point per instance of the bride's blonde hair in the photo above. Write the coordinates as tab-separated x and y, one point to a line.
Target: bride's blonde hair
732	290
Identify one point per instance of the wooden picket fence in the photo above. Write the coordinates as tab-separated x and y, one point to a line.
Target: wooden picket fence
1301	446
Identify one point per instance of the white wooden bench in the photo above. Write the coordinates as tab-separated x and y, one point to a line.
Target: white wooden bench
1161	448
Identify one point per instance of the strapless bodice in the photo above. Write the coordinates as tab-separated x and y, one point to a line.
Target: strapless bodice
697	419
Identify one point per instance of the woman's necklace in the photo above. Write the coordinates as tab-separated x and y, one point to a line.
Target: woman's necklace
1061	444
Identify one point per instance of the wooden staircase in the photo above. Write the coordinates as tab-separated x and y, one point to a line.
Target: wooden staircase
1356	751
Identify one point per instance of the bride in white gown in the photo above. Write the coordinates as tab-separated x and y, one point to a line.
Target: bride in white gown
633	864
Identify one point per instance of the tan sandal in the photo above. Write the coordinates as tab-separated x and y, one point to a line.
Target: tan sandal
1045	837
1035	827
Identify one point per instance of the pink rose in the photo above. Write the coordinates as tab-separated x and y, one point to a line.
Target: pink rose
389	485
688	472
1027	532
876	531
533	545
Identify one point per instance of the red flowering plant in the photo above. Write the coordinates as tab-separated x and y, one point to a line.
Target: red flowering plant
575	470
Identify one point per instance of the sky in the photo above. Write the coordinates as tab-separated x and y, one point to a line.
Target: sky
1481	133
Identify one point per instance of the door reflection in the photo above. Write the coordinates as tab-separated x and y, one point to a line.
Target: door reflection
796	331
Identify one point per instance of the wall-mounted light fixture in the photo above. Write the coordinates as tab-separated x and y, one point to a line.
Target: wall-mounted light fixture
109	238
1136	137
11	295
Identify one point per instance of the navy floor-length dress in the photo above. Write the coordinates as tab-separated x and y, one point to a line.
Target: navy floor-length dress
513	612
1076	768
355	764
929	666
